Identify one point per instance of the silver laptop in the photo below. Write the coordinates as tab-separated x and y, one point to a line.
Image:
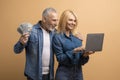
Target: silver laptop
94	42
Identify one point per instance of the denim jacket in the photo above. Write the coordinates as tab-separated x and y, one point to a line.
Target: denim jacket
34	47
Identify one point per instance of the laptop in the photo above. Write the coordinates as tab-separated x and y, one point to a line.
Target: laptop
94	42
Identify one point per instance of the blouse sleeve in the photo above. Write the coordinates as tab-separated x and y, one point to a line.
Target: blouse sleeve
83	60
62	57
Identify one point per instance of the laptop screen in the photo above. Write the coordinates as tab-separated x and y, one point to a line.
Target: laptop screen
94	42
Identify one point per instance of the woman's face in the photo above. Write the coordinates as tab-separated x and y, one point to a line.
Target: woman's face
71	22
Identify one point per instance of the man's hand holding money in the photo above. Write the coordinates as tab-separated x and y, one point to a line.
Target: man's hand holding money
24	38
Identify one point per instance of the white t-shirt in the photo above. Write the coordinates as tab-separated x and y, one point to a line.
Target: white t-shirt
46	52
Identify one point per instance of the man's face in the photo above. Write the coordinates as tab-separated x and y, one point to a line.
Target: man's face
51	21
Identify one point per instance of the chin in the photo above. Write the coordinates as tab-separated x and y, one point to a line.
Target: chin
51	29
71	28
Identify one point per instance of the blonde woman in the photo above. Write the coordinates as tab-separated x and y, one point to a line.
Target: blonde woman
68	49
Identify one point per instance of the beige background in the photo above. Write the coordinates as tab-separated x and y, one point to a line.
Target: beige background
94	16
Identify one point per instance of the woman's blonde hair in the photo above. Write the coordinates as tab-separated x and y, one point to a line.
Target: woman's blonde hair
63	21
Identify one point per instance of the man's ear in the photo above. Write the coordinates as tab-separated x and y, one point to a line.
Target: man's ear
43	19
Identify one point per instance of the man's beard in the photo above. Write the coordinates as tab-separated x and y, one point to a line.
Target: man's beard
50	28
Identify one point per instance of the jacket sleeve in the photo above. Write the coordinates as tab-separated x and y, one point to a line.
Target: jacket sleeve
62	57
18	47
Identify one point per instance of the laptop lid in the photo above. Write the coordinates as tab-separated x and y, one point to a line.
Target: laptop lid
94	42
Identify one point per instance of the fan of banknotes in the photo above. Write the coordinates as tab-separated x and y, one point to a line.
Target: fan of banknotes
25	28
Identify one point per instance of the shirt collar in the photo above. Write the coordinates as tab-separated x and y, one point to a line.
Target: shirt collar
69	36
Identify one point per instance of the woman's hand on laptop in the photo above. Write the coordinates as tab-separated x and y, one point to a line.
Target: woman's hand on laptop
78	49
88	53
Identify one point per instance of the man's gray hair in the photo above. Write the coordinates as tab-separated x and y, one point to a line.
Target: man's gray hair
47	11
